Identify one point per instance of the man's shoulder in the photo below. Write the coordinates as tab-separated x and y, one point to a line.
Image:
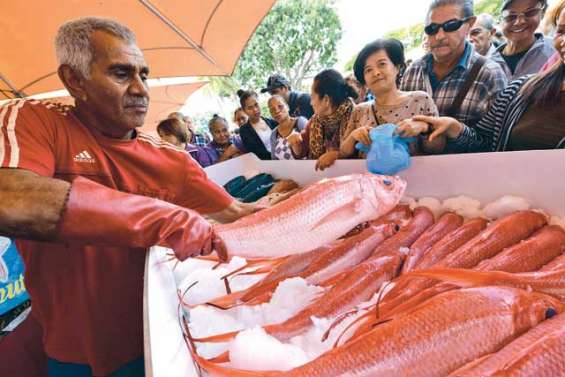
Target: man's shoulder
491	68
419	63
302	95
41	108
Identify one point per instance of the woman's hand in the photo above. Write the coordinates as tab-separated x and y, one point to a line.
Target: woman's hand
326	160
447	126
230	152
295	142
361	135
411	128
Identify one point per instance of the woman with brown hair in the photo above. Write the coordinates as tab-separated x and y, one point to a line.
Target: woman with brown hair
528	114
173	131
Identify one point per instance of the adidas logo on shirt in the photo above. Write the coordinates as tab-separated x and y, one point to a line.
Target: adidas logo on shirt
84	157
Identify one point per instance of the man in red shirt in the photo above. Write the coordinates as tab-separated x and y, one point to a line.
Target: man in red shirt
85	195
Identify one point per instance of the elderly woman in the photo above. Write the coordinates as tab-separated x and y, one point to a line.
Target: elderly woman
280	148
173	131
256	133
528	114
223	145
525	51
379	65
332	100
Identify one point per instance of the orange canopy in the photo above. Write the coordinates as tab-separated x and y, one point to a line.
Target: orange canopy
178	37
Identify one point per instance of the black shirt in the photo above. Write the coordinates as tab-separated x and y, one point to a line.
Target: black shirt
252	142
299	105
513	60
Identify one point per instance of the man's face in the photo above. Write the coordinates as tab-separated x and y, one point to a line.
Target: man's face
446	46
281	91
480	37
116	91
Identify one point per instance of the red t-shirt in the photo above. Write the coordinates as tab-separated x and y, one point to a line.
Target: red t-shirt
88	299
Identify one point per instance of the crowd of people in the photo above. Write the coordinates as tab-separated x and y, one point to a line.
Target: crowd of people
481	86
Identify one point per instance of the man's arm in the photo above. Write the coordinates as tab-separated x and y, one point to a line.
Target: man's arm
30	205
88	213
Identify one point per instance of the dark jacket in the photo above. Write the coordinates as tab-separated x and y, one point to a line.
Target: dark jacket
299	105
252	142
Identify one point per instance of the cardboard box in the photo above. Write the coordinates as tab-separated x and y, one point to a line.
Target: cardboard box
538	176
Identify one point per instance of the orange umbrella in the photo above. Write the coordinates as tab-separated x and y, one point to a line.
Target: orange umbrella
178	38
164	100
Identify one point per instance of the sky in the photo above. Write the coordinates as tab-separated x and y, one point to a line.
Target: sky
363	21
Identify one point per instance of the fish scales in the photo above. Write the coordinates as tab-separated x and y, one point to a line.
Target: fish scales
319	214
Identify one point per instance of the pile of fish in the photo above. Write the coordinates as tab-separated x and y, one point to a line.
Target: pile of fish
454	296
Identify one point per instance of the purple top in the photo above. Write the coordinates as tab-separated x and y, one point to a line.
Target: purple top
205	156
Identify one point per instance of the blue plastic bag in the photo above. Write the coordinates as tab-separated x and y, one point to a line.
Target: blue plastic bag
388	153
12	287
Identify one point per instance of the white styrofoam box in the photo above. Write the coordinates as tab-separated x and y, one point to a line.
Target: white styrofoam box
538	176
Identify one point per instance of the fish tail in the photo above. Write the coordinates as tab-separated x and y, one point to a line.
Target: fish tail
462	277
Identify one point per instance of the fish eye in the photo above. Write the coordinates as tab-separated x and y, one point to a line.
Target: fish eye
387	182
550	312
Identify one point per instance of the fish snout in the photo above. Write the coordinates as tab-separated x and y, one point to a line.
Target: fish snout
538	308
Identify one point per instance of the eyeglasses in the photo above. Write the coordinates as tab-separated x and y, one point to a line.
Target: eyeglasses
510	18
448	26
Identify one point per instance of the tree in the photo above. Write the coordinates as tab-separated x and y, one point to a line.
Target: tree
297	39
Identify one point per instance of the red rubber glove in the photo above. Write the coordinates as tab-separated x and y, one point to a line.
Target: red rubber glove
96	214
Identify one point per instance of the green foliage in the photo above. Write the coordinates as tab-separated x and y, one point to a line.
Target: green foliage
491	7
298	38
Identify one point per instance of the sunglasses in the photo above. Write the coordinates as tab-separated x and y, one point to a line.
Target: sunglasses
513	17
448	26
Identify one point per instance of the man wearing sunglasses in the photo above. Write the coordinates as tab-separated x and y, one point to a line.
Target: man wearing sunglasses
481	35
526	51
461	82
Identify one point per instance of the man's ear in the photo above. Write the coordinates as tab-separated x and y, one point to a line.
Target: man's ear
73	81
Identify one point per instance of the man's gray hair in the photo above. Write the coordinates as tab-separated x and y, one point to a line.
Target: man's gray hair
73	44
486	21
465	5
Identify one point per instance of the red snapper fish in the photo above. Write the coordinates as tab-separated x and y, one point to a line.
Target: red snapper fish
319	214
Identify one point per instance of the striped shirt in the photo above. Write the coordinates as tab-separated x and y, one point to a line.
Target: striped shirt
493	132
490	80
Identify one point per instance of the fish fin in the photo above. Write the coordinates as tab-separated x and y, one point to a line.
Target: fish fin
259	266
222	358
226	302
360	321
215	370
220	338
346	211
460	277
